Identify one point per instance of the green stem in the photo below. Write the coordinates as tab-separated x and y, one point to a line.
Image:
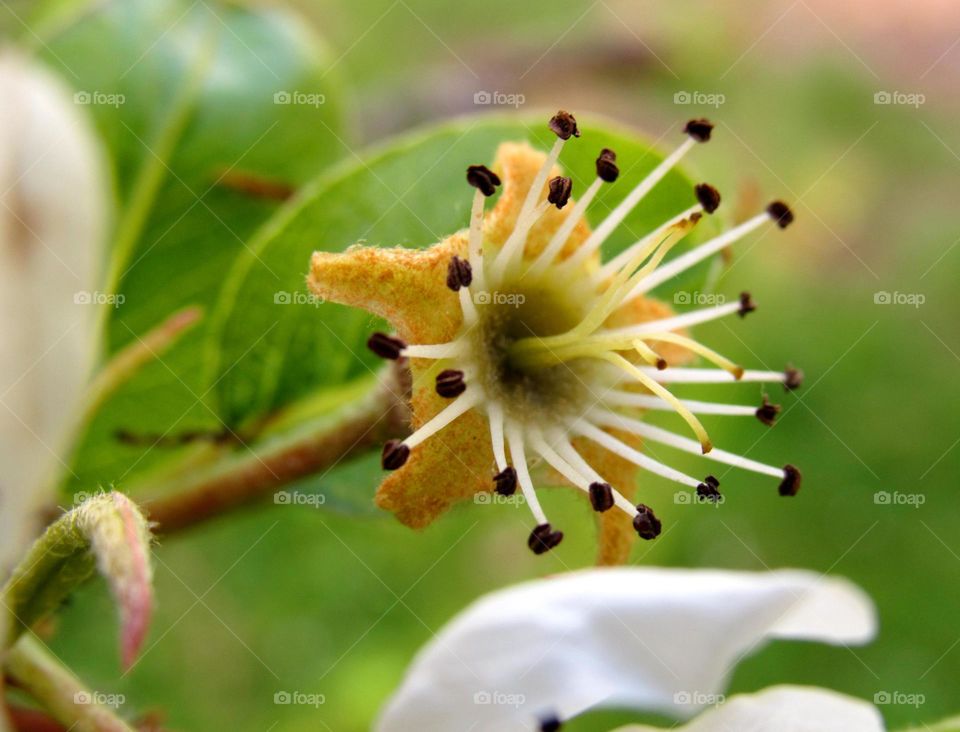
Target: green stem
58	690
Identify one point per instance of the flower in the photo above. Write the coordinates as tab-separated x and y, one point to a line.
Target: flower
54	210
783	709
523	348
659	640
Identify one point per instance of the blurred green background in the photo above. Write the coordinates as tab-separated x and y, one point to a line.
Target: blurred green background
336	600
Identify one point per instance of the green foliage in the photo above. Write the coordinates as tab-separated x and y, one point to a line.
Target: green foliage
184	95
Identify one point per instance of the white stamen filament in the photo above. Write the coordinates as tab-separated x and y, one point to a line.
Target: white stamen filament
568	452
475	246
662	436
649	401
463	403
515	440
611	443
543	449
676	322
712	376
467	306
556	243
609	269
435	351
512	251
495	417
687	260
529	213
616	217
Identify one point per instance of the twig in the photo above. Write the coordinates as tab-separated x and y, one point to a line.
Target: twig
247	477
58	690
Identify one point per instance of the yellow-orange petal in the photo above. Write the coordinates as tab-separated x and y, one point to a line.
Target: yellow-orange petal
517	164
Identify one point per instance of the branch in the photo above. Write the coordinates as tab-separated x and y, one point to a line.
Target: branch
243	478
58	690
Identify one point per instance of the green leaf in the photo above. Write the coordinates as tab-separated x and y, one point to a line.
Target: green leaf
183	94
947	725
267	352
106	531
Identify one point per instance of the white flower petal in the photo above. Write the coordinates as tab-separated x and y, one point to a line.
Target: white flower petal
783	709
643	638
53	217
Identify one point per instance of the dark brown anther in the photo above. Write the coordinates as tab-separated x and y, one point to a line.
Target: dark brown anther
708	490
559	191
386	346
394	455
793	378
661	364
708	196
450	383
550	723
543	538
607	169
767	412
648	526
481	177
601	496
747	305
564	125
791	481
459	273
781	213
505	482
699	129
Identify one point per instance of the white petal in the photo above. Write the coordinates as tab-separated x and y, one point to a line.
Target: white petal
53	217
629	637
783	709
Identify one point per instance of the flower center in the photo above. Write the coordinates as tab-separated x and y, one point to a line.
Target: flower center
529	392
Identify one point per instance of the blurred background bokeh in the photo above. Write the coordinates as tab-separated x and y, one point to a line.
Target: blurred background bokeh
846	110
